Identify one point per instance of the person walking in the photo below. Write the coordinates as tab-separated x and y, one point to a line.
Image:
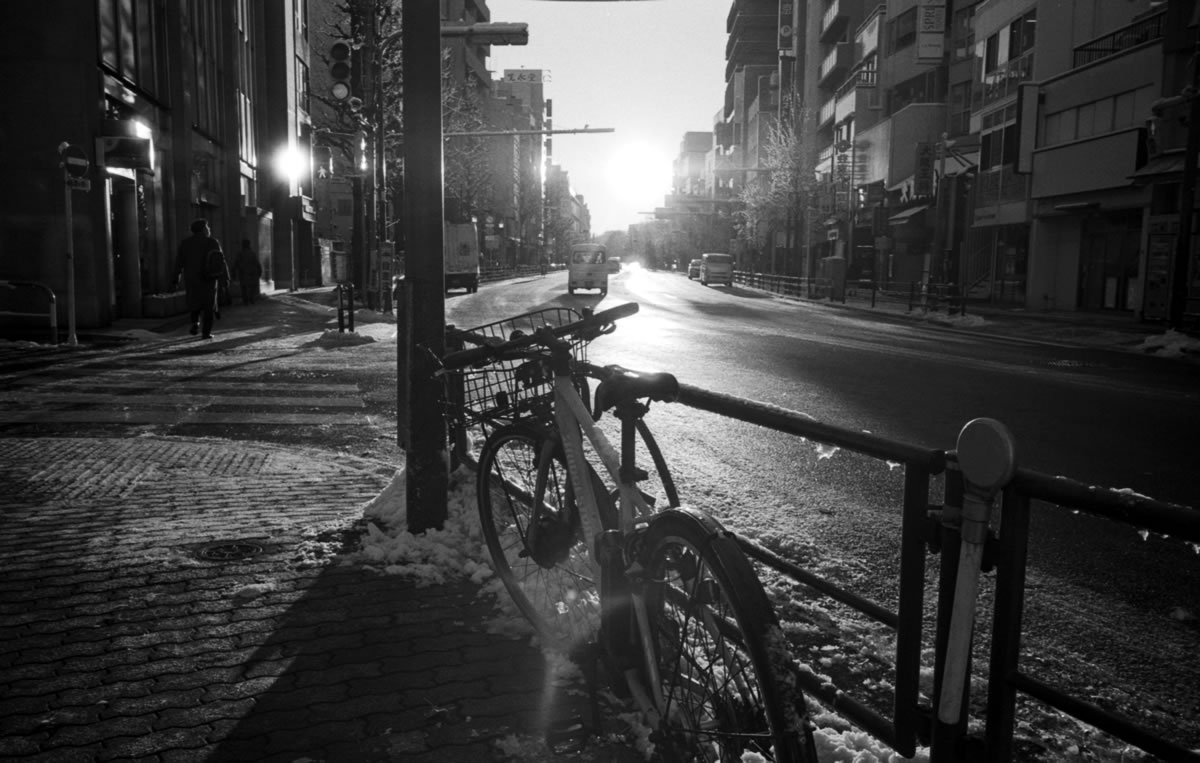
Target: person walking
201	263
249	271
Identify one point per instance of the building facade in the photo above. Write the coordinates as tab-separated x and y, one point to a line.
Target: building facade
179	110
1022	152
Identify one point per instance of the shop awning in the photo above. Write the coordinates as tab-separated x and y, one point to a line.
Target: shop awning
900	218
1160	168
957	164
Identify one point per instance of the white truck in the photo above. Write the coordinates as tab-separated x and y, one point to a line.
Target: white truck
461	256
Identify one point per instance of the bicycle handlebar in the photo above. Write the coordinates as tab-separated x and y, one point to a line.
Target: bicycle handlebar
589	327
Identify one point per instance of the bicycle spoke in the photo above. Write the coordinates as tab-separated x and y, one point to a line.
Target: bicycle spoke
708	618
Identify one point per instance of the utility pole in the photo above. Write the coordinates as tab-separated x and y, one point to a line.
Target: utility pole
421	342
370	62
424	304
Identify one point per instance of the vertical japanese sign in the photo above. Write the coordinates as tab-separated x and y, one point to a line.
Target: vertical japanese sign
923	174
786	28
931	30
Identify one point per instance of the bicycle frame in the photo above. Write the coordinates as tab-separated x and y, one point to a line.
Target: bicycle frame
574	423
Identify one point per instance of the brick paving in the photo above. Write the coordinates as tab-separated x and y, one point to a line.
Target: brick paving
130	628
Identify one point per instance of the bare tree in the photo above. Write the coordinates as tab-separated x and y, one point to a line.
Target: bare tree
468	177
783	195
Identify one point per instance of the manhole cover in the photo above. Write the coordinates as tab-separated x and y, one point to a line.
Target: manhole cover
229	550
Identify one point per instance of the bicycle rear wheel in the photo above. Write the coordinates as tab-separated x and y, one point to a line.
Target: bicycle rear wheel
725	672
549	576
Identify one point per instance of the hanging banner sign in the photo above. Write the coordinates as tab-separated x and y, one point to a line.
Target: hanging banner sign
931	30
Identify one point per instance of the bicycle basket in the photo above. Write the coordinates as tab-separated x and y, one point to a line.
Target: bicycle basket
506	389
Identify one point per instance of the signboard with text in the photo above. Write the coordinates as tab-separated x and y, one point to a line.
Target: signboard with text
931	30
532	76
786	30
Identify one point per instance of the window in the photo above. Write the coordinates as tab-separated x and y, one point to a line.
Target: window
960	109
903	30
129	31
1052	129
1021	34
1104	116
1086	126
962	34
991	56
998	148
1008	153
1123	111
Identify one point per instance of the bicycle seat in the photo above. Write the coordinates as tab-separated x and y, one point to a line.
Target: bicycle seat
621	388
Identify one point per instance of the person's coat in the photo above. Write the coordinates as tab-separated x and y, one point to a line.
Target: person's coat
201	272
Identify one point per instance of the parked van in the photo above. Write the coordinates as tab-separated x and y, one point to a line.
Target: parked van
460	250
716	268
588	268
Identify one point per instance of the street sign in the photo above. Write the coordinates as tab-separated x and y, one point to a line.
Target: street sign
79	184
75	161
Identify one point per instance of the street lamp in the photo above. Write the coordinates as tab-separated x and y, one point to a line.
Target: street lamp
291	165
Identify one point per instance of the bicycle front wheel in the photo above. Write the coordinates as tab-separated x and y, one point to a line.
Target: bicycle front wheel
548	571
725	672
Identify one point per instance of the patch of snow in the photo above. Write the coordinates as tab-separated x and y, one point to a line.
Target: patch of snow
1171	344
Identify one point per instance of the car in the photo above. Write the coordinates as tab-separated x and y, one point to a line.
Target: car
693	270
614	265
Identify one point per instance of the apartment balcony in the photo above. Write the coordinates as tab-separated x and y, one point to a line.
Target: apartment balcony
1002	82
856	96
826	113
834	22
1138	33
835	65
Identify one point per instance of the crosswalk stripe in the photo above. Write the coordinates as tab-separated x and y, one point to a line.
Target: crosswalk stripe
178	417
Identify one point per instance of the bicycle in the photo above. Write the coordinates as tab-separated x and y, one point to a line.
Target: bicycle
665	598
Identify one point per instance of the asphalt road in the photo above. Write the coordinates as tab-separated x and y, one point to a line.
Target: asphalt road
1101	600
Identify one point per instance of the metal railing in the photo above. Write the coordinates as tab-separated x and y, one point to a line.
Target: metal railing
1137	33
928	529
912	295
937	529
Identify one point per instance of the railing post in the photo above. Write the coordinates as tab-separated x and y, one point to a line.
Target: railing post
1013	551
987	458
906	713
341	311
947	738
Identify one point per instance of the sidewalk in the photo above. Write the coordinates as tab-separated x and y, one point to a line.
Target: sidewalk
188	599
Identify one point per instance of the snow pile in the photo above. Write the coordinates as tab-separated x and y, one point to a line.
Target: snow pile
455	552
332	338
1171	344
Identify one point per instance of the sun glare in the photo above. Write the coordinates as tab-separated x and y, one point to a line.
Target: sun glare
640	171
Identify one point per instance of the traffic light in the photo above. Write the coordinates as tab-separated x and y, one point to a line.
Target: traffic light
339	71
